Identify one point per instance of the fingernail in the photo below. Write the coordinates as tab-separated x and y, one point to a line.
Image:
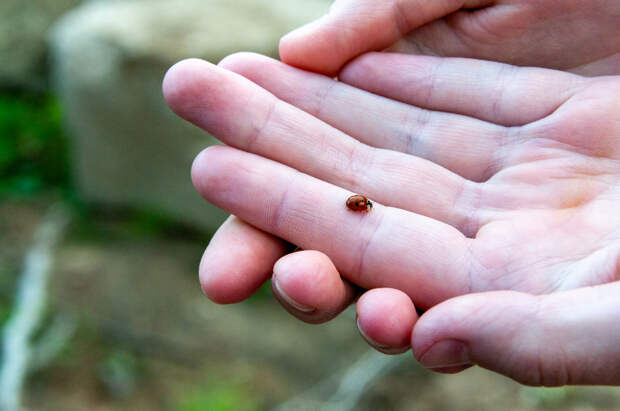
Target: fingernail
446	354
299	307
386	349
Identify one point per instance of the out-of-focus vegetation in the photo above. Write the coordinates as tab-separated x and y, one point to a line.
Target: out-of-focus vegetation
35	171
33	160
217	397
33	148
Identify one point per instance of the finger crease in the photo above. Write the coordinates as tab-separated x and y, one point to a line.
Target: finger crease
415	139
505	76
258	132
434	75
278	212
466	204
366	244
355	170
322	98
505	139
400	18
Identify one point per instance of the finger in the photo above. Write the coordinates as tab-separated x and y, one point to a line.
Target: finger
351	28
565	338
385	318
444	37
238	260
461	144
497	33
495	92
245	116
309	286
608	66
428	259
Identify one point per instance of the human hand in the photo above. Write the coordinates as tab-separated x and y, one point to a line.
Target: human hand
532	207
577	35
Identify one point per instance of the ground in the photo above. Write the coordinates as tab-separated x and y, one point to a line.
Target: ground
147	339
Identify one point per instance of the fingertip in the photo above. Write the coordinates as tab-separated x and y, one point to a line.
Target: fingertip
252	66
196	167
386	318
207	173
473	329
179	81
309	278
203	94
311	48
362	67
444	321
309	286
464	317
220	287
238	261
241	61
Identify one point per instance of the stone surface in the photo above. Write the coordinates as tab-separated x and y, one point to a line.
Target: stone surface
23	40
109	59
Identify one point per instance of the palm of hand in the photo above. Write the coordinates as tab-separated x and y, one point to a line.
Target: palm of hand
549	218
536	211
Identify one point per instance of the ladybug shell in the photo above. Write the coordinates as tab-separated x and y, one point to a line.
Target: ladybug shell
359	202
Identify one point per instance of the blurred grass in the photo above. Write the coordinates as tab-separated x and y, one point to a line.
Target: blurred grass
35	168
33	148
34	171
217	397
33	160
35	163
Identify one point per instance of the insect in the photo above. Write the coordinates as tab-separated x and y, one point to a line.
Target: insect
359	203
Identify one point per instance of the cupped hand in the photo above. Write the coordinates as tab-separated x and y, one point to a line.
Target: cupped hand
488	177
582	36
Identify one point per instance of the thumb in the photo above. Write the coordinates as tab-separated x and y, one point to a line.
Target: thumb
564	338
353	27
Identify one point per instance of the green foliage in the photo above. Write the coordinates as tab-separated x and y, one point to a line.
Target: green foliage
216	398
33	149
118	374
543	397
5	312
262	295
143	222
7	286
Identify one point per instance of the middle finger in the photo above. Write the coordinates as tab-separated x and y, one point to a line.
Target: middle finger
463	144
245	116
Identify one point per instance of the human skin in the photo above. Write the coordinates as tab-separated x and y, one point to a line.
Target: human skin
577	35
573	35
484	177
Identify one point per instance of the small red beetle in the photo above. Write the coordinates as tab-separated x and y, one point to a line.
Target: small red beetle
358	203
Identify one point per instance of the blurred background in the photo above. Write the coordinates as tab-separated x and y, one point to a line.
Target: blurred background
101	234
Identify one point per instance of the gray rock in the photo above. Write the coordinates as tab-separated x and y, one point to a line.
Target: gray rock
23	40
109	60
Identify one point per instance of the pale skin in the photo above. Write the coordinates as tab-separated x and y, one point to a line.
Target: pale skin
578	35
517	188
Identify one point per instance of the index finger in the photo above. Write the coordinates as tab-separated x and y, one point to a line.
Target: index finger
386	247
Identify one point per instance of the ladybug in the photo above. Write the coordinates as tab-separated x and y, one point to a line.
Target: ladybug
359	203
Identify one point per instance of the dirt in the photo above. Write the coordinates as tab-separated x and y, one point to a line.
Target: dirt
147	339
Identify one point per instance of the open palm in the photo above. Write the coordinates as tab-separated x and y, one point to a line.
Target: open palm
484	176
